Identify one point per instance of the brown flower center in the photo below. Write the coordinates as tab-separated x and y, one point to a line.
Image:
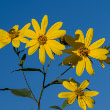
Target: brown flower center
42	39
13	34
83	51
79	92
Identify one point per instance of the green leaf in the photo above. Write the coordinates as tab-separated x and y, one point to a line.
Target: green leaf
55	107
59	81
22	60
65	104
21	92
28	69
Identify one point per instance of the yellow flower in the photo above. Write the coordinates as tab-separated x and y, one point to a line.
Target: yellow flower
81	50
45	40
14	35
84	97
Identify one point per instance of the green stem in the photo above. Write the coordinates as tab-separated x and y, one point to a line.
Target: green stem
57	77
26	80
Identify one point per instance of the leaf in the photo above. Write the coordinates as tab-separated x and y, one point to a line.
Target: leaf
55	107
59	81
65	104
22	60
21	92
28	69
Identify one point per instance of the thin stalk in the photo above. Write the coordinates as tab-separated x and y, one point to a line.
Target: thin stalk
57	77
27	81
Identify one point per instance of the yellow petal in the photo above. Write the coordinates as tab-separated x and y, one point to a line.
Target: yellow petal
99	53
74	84
33	49
16	43
3	34
90	99
65	94
36	26
15	27
89	37
56	26
42	54
25	28
71	99
101	63
97	44
31	43
84	85
89	66
30	34
81	102
91	93
44	24
80	67
79	37
56	34
68	86
88	102
24	40
48	50
3	44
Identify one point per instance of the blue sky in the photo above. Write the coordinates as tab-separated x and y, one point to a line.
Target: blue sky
75	14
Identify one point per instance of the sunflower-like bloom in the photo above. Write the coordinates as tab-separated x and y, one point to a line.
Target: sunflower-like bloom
81	50
84	97
45	40
14	35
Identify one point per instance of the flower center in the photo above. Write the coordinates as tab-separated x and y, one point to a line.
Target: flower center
79	92
42	39
13	34
83	51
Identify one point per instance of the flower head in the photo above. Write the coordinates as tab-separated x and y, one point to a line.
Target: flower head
84	97
14	35
45	41
81	50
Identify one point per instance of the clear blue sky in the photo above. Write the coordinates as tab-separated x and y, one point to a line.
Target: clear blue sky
75	14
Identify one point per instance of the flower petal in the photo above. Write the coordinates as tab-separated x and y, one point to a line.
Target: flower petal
15	27
68	86
99	53
3	44
89	37
24	40
80	67
89	66
25	28
56	34
49	52
97	44
88	102
68	51
81	102
71	99
101	63
65	94
31	43
33	49
84	85
79	37
44	24
3	34
16	43
91	93
56	26
42	54
36	26
30	34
